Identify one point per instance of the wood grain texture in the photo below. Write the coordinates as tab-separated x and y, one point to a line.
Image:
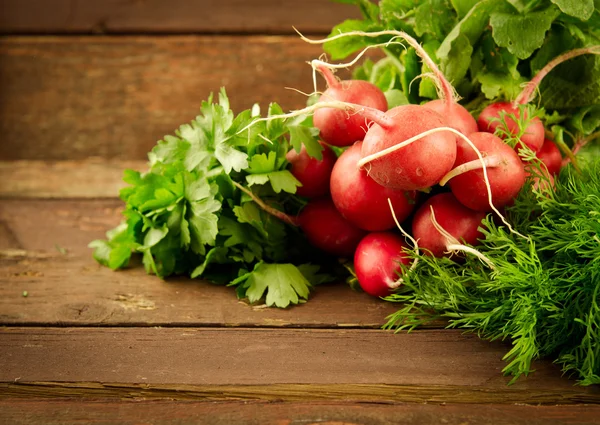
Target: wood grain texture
174	16
88	178
114	97
55	412
270	364
70	288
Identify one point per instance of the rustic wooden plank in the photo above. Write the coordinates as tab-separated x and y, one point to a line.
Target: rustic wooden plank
69	291
43	250
54	412
114	97
270	364
89	178
175	16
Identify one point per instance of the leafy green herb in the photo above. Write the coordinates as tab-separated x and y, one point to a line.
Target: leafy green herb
487	49
188	215
544	293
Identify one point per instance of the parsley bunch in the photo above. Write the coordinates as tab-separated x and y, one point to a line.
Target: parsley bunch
194	211
544	292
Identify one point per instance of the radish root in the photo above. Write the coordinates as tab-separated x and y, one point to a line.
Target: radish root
317	63
476	164
372	114
531	87
400	281
445	89
453	245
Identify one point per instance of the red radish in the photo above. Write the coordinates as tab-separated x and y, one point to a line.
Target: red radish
489	121
505	171
314	174
418	165
460	222
340	128
361	200
533	135
457	116
550	155
377	262
326	229
542	179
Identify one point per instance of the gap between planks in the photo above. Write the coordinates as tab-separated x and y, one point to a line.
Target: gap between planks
271	364
54	412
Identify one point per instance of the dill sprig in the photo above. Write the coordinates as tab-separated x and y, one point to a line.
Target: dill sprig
544	292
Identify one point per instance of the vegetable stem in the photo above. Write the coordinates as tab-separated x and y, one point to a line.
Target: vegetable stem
267	208
527	94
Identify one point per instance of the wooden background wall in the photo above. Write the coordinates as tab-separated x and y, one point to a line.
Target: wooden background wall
108	78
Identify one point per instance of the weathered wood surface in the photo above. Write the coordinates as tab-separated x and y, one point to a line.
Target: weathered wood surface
114	97
174	16
88	178
43	250
270	364
55	412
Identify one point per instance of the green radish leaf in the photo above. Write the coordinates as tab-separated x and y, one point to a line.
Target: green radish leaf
586	120
395	98
345	46
473	24
456	64
522	34
463	7
580	9
434	17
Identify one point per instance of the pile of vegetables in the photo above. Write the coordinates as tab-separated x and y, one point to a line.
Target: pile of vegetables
456	175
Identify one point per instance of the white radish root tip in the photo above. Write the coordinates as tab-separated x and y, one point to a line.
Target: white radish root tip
476	164
453	245
400	281
445	89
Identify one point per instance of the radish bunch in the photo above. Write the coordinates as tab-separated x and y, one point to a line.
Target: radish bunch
393	157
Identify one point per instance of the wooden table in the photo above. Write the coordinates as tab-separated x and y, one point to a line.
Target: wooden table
80	343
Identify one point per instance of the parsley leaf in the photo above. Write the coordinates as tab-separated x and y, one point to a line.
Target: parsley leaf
187	215
284	284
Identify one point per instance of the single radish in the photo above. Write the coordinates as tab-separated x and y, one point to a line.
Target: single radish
457	116
418	165
460	225
363	201
314	174
340	128
550	155
533	134
505	171
489	121
377	262
542	179
325	228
